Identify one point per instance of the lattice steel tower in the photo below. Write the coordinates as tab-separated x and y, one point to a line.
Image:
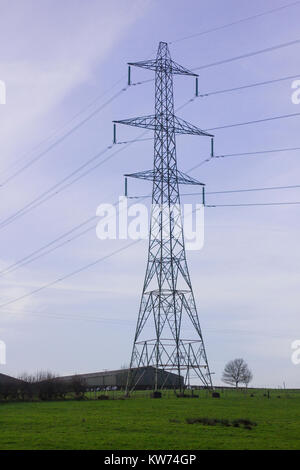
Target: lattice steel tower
167	302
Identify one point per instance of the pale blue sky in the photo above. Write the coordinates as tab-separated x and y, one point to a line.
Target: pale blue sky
55	58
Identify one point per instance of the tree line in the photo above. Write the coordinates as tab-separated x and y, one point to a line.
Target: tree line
42	386
47	386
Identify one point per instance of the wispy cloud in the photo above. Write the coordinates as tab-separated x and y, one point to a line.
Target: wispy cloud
50	49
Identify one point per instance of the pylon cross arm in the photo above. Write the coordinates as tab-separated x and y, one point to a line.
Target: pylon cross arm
168	66
146	122
180	177
183	127
156	123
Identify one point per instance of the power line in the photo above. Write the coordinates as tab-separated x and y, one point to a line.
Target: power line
255	204
206	160
235	58
42	251
27	259
243	87
257	121
73	118
50	284
267	188
228	126
72	316
115	321
142	82
138	83
137	241
71	131
55	132
51	193
233	23
37	253
230	191
259	152
249	54
288	149
60	140
85	108
71	274
210	158
31	258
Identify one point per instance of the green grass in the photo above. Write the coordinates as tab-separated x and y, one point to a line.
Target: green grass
144	423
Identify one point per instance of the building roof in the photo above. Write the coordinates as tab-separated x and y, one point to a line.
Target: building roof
7	378
110	372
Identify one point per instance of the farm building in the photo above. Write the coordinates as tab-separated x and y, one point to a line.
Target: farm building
144	378
7	380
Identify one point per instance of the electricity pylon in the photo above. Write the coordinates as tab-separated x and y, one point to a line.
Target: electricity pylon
167	301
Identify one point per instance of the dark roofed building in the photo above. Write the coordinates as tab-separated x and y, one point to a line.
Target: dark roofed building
7	380
144	378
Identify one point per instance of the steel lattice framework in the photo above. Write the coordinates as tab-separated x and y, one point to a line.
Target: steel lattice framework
167	302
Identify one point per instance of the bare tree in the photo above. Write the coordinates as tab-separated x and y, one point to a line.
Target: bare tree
47	385
26	386
44	385
78	386
247	377
237	371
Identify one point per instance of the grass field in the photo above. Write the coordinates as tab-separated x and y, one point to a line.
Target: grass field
154	424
